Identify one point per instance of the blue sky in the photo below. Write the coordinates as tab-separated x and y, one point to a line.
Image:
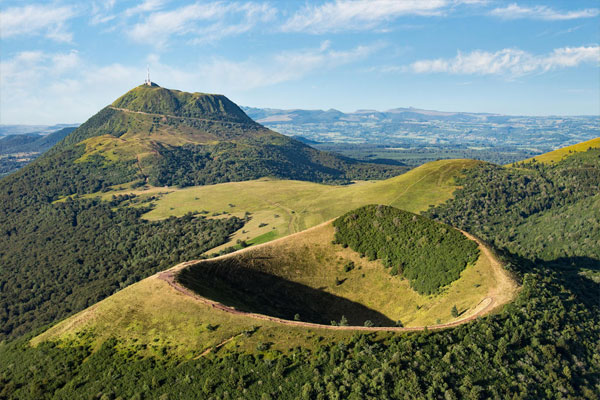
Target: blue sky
61	61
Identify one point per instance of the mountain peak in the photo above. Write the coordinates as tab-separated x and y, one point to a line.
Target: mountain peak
154	99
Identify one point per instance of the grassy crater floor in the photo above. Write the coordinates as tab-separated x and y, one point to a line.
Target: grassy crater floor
307	277
152	317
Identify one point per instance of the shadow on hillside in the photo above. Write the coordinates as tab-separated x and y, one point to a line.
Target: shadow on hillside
384	161
254	291
569	271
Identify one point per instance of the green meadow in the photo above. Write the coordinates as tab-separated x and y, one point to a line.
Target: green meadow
281	207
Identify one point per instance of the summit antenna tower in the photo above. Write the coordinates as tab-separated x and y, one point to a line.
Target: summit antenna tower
148	81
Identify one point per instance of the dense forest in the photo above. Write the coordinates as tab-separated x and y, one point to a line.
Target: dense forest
538	211
430	255
62	258
192	165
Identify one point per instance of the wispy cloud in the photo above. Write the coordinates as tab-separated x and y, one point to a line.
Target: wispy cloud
508	62
145	7
101	12
282	67
33	68
201	22
46	20
514	11
72	89
340	15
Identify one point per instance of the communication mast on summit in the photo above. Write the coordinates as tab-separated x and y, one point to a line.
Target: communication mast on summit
148	81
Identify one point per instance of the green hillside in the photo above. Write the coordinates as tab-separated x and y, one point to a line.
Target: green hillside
537	210
68	256
280	207
187	139
157	100
564	152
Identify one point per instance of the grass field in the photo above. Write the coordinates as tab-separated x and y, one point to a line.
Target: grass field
559	154
281	207
151	318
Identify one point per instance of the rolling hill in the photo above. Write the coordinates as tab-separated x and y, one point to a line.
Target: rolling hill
281	207
32	142
18	150
564	152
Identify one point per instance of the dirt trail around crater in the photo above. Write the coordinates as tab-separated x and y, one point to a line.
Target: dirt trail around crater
504	291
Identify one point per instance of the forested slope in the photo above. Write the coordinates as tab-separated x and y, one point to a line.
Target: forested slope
428	254
63	258
535	210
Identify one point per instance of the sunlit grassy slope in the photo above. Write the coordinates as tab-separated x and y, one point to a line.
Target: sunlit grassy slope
312	261
150	317
559	154
281	207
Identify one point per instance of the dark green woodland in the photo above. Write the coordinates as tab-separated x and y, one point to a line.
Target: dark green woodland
430	255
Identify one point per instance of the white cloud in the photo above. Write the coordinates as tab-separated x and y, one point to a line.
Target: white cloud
48	20
101	10
40	87
146	6
514	11
508	62
283	67
202	21
342	15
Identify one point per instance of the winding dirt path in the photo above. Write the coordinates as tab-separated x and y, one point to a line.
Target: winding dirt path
174	116
502	293
211	348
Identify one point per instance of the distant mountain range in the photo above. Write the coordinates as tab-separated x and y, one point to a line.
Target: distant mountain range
32	142
274	115
6	130
413	127
409	127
